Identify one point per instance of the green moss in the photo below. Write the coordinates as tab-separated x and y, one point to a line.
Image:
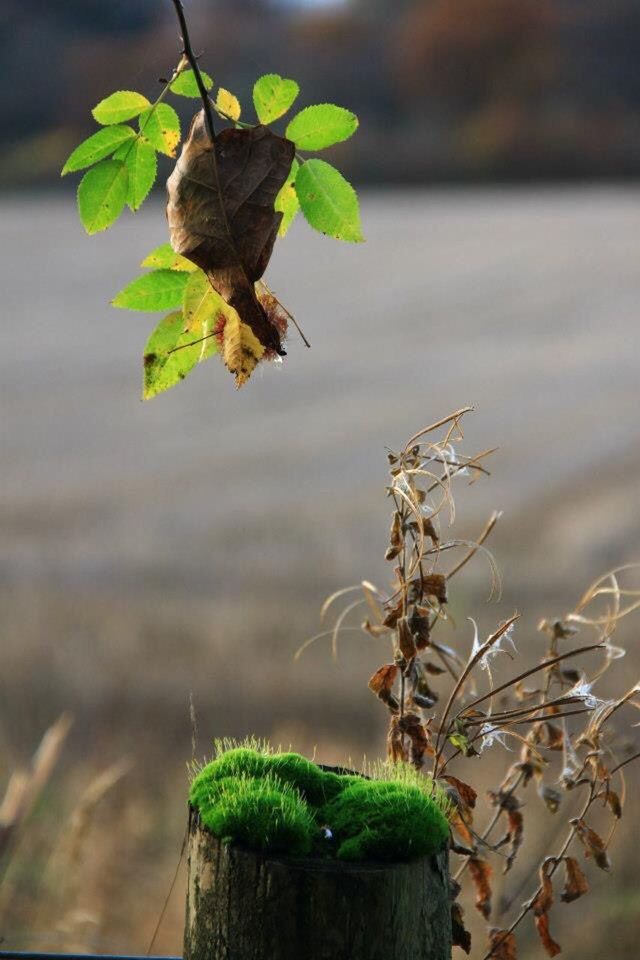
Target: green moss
277	802
377	820
264	815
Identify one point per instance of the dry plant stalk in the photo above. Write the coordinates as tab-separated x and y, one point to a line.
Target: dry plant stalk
549	711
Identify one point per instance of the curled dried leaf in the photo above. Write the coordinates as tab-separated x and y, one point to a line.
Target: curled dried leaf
381	683
406	643
396	747
502	945
412	725
542	925
481	871
575	882
593	844
435	585
396	538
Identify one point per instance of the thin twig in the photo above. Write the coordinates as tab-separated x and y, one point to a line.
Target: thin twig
193	63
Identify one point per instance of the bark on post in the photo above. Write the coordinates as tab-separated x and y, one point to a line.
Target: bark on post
245	906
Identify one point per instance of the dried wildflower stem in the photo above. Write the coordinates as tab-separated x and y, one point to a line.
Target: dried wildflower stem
492	521
558	860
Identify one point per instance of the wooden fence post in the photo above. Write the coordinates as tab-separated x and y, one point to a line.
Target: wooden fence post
246	906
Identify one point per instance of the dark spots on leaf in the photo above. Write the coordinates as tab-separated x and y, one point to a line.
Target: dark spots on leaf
150	359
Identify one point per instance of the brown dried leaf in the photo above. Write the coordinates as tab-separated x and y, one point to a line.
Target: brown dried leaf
502	945
613	801
396	749
412	725
592	843
396	538
221	213
381	683
481	876
466	793
542	924
460	935
406	643
515	833
554	736
575	882
435	585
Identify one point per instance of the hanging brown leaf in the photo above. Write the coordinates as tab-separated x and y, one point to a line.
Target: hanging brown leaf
460	935
575	882
481	876
544	899
396	539
502	945
382	685
554	736
435	585
542	925
541	906
515	833
406	643
393	614
221	213
420	626
614	804
466	794
396	748
413	727
592	843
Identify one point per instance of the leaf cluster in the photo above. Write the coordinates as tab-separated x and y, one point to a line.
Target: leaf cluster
122	165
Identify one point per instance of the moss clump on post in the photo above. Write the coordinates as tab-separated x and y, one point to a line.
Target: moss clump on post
282	803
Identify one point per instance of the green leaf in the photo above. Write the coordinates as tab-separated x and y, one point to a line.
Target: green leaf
200	303
120	106
164	257
328	201
315	128
102	195
287	201
272	96
161	126
142	164
185	84
159	290
170	354
96	147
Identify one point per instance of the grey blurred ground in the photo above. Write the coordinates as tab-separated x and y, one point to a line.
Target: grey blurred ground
249	506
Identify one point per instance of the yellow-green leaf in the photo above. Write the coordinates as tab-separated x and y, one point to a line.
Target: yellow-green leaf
171	353
200	302
273	96
164	257
315	128
98	146
161	126
123	105
102	195
228	105
328	201
287	201
142	165
186	86
159	290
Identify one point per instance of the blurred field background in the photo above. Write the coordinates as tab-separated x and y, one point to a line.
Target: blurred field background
183	547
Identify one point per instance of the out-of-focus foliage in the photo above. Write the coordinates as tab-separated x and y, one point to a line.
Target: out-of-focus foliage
466	88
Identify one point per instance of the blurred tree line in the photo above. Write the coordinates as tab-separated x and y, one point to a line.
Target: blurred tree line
445	89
